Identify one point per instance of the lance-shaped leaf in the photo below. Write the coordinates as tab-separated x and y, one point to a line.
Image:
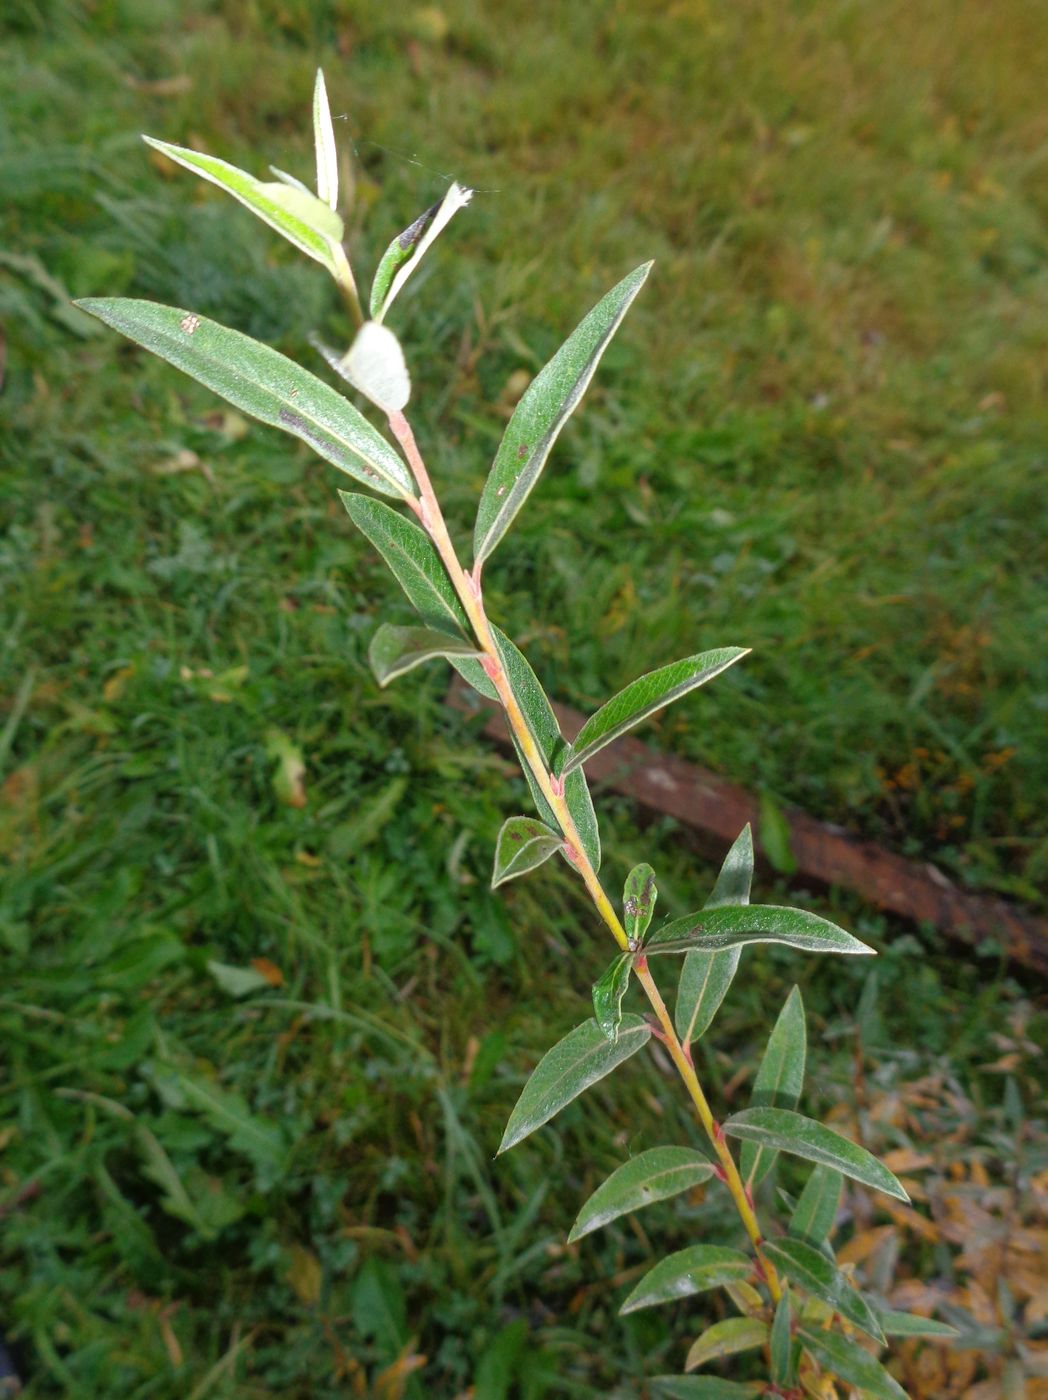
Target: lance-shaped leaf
726	1338
416	566
638	902
655	1175
544	729
262	383
706	977
786	1131
643	697
693	1270
781	1346
523	843
845	1358
779	1080
545	407
583	1057
731	927
706	1388
303	219
608	992
395	650
408	249
324	140
816	1211
903	1324
809	1269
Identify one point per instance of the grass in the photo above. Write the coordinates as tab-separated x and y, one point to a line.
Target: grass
258	1055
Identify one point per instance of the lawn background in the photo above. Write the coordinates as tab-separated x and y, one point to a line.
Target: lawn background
820	433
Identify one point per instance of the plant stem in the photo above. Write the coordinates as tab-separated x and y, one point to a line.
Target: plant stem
432	518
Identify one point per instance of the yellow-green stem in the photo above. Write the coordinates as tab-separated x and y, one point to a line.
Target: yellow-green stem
432	518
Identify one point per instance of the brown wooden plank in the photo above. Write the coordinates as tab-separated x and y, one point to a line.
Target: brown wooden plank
717	808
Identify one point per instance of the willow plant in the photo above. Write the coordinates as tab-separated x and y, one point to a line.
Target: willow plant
791	1301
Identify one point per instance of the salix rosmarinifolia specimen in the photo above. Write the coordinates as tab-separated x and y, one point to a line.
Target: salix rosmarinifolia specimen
793	1304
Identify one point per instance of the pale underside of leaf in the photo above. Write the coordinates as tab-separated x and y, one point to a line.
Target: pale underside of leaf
374	364
786	1131
693	1270
298	215
523	844
545	407
726	1338
654	1175
575	1063
731	926
263	383
643	697
397	650
324	141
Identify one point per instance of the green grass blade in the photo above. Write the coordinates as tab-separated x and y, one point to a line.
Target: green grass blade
655	1175
261	382
523	844
693	1270
396	650
779	1081
732	927
546	406
643	697
582	1058
787	1131
809	1269
298	215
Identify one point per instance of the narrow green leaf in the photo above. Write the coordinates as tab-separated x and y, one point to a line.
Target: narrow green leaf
706	977
848	1360
706	1388
545	730
608	992
803	1137
523	843
396	650
781	1344
809	1269
643	697
816	1211
324	140
779	1081
301	217
263	383
257	1138
638	902
903	1324
655	1175
726	1338
733	927
582	1058
693	1270
408	249
546	406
